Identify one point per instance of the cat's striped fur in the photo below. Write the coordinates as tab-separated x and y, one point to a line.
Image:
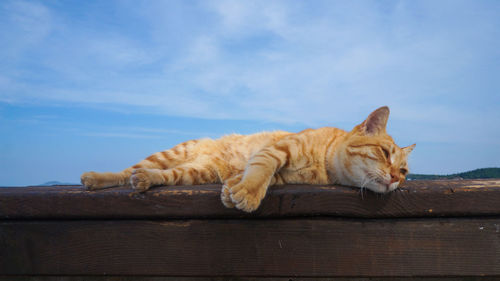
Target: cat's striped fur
248	164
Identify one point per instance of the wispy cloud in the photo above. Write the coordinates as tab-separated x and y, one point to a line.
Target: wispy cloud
118	75
118	135
26	22
139	133
281	61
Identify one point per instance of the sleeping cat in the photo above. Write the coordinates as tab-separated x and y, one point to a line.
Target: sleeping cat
365	157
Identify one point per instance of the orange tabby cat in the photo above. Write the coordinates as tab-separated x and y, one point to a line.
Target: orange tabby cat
247	165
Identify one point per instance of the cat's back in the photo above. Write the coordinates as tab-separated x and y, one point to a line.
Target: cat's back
244	146
322	132
313	143
250	144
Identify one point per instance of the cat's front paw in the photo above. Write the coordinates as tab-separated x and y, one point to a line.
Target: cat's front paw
246	195
225	194
225	197
140	180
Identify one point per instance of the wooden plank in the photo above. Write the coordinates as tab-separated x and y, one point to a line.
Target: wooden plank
287	247
416	199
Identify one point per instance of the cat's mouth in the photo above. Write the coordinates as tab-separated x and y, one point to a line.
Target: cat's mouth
380	181
385	186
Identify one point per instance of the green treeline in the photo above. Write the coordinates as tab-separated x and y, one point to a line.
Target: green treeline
484	173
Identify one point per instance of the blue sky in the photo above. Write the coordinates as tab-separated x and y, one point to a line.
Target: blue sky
99	85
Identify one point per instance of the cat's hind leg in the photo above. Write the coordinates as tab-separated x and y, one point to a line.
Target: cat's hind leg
178	155
187	174
164	160
95	181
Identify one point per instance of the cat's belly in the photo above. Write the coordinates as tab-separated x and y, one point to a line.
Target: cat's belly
307	175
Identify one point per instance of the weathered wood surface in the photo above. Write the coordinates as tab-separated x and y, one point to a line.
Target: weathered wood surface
415	199
285	247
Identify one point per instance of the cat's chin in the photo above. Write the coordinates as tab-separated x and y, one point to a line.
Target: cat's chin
382	188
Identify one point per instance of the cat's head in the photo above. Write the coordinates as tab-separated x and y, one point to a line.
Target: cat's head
369	157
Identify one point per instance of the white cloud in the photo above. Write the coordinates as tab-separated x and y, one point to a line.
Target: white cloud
140	133
278	61
30	21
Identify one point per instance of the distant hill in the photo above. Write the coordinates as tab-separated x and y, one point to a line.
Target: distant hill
484	173
50	183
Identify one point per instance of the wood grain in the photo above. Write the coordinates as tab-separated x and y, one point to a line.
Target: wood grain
417	199
285	247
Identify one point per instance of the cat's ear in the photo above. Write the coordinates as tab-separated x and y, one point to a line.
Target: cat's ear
376	122
409	149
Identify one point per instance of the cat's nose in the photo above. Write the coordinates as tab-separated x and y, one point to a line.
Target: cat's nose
394	177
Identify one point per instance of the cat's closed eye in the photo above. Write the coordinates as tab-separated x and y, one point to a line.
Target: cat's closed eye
403	171
386	153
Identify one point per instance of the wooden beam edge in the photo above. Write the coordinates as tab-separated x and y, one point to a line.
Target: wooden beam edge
459	198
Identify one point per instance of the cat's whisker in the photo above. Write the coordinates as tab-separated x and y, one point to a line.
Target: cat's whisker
376	176
364	182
